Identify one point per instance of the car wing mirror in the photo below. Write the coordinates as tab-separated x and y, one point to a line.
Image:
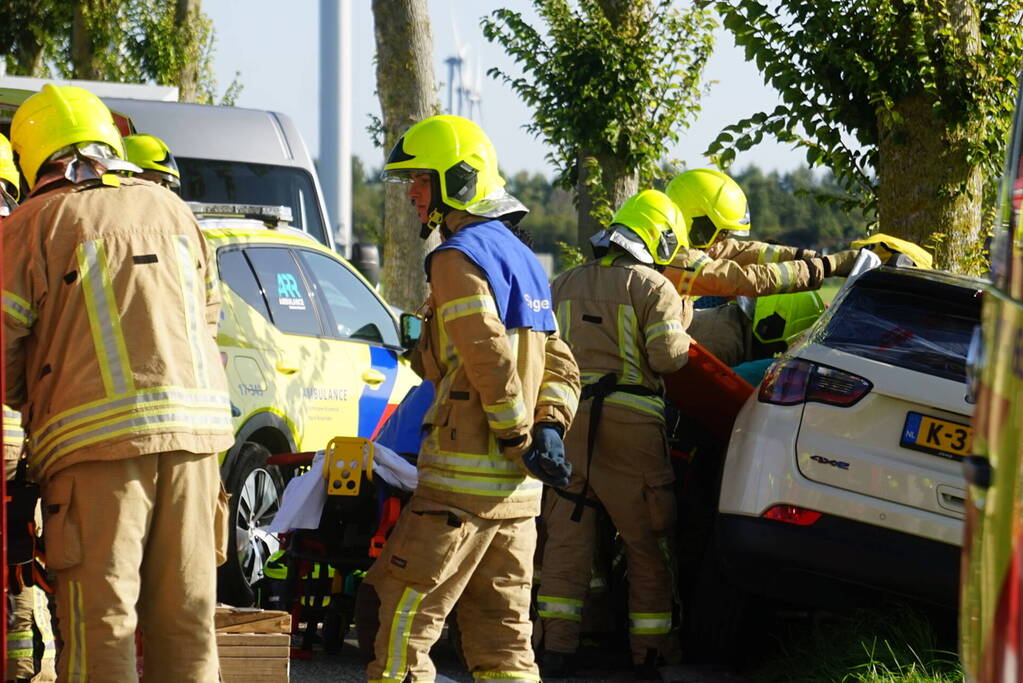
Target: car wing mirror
411	329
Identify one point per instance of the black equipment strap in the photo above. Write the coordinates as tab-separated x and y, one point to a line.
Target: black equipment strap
598	391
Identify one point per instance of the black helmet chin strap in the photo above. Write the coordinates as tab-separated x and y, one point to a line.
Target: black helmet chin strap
438	210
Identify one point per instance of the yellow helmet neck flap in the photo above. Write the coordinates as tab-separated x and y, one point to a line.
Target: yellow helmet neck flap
83	163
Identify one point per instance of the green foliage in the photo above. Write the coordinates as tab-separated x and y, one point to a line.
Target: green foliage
606	89
367	203
842	66
33	34
893	645
787	209
131	41
551	213
569	256
783	207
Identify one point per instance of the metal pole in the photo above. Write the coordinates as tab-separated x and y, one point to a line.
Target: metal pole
344	213
334	167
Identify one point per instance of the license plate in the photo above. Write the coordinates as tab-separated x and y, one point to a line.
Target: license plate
938	437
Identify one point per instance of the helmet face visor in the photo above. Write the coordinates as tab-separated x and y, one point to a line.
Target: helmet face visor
666	247
7	201
702	232
403	176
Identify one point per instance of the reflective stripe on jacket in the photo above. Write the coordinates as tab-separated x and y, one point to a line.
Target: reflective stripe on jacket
491	383
111	304
622	317
733	268
14	434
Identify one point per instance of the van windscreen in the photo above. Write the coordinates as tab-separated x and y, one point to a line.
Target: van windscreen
234	182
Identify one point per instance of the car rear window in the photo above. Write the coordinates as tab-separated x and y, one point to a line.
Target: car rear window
909	322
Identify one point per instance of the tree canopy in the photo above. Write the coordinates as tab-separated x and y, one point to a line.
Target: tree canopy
906	101
168	42
611	85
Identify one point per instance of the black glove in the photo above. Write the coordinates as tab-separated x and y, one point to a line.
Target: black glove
545	458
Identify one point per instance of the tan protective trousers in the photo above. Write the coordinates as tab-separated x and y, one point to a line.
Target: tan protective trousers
134	543
30	612
436	556
631	477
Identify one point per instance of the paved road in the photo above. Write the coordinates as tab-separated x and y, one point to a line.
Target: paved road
345	668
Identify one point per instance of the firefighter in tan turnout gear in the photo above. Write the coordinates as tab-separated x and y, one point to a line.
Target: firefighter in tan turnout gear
506	389
111	304
28	611
623	322
715	264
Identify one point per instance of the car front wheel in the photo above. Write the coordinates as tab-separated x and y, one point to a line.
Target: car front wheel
255	489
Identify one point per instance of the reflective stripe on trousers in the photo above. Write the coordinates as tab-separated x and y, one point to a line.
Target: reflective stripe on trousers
401	630
649	623
553	607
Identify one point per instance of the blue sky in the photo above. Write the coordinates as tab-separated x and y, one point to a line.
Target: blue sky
276	51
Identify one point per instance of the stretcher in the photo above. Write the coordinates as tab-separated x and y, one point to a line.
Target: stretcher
707	392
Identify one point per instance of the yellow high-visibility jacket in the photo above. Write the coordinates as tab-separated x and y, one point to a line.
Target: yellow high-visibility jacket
734	268
492	384
620	316
111	303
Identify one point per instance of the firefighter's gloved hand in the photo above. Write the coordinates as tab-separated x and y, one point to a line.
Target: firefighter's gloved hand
545	458
841	263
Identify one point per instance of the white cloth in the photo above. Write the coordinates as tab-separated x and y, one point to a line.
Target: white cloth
305	495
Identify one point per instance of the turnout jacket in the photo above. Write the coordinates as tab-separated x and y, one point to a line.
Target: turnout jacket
111	303
747	268
492	385
620	316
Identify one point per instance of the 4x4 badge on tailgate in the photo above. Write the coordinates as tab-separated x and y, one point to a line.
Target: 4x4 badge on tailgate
828	461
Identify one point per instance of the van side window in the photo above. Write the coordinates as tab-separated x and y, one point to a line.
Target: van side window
357	313
236	272
292	305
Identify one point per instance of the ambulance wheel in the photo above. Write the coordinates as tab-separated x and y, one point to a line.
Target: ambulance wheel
255	489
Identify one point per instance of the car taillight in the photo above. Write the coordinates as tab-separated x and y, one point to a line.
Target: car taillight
790	514
794	381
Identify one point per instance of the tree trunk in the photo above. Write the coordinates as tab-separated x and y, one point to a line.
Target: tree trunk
83	63
405	85
618	182
927	185
595	209
186	13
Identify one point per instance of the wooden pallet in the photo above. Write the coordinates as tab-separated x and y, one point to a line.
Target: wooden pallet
254	645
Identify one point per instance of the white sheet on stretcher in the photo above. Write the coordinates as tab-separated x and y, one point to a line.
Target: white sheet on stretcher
305	495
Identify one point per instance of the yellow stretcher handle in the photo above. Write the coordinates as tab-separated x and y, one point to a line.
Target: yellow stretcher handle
346	458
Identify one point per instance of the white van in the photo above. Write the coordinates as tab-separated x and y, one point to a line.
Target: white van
237	156
227	155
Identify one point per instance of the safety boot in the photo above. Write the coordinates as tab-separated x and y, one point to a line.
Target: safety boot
557	664
649	668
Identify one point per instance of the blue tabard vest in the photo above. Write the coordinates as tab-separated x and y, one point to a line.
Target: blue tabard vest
517	280
403	431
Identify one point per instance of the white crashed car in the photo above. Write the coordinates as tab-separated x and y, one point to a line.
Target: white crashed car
843	468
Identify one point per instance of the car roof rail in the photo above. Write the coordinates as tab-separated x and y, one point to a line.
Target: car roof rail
272	216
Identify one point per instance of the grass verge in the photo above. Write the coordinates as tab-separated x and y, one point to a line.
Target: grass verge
888	645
